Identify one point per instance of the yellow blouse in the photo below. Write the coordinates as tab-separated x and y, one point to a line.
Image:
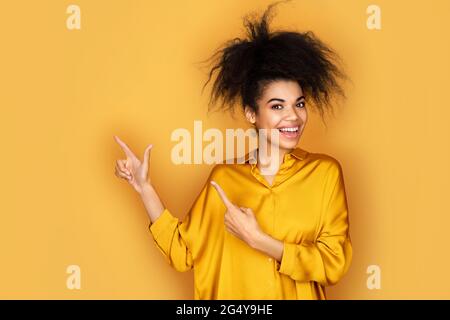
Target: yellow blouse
305	207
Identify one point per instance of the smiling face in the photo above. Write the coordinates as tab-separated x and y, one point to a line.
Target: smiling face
281	107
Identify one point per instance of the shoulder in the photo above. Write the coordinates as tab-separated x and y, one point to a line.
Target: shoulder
325	163
221	169
229	170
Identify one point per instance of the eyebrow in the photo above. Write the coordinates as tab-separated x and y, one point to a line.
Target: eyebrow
278	99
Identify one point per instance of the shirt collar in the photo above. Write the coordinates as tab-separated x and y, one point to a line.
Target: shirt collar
296	153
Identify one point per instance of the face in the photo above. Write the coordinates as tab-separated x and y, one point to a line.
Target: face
281	107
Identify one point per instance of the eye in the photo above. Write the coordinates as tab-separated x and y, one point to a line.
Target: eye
277	105
302	104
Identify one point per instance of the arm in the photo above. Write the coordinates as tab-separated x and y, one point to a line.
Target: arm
328	258
169	236
168	232
135	172
175	238
269	245
180	241
172	237
152	202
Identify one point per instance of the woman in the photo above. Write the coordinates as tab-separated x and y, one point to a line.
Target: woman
251	235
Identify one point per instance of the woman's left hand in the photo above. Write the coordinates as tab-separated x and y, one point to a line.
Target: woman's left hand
240	221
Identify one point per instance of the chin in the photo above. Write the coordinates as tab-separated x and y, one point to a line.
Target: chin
289	145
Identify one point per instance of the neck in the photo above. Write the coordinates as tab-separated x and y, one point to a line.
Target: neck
265	161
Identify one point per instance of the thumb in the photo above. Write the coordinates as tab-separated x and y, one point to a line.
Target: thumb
147	154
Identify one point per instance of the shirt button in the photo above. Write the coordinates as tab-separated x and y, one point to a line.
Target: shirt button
270	259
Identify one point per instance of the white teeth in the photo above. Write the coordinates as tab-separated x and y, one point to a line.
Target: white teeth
294	129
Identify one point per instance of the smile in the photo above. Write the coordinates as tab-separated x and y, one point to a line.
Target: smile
289	132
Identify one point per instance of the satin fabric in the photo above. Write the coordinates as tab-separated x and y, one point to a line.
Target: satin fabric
305	207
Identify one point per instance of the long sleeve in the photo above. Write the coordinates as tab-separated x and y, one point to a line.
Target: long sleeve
175	238
328	259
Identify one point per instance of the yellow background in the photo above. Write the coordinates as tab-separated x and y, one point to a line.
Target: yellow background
131	71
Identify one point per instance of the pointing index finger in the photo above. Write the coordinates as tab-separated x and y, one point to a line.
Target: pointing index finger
223	196
124	146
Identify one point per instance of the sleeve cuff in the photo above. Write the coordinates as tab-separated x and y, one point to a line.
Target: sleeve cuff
286	265
161	224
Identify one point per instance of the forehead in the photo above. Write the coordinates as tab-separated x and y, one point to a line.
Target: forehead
282	89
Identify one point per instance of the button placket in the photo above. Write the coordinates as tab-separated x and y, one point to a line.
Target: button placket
255	172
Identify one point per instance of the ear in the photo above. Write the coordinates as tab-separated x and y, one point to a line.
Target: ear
250	114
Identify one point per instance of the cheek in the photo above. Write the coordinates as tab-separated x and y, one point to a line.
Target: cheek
268	119
303	115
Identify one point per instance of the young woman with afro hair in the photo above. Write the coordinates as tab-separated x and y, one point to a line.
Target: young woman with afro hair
250	235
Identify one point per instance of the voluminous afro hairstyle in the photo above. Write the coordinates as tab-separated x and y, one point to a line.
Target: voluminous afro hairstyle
246	66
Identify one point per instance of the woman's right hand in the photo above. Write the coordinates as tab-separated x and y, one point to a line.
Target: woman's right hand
132	169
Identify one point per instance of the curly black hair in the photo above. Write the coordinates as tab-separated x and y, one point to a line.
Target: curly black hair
246	66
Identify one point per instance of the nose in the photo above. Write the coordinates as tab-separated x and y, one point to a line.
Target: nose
291	114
